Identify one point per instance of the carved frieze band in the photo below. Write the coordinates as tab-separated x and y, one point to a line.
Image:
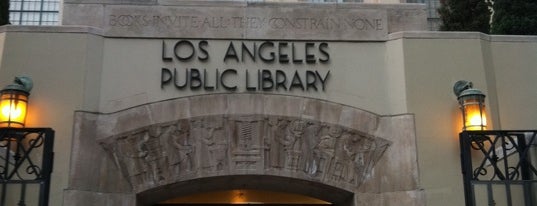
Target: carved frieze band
254	144
254	22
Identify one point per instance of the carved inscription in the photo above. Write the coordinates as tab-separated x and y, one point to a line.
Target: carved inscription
256	144
248	22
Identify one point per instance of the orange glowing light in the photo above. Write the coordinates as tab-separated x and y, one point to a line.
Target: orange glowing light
13	108
473	108
476	118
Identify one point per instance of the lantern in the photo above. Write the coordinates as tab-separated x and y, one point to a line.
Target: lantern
472	105
14	102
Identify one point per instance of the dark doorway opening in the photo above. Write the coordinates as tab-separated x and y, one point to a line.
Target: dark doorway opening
244	197
245	189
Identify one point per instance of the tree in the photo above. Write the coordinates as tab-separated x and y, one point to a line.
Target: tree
4	12
514	17
465	15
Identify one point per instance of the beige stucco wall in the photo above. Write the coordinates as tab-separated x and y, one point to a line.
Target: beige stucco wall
514	66
61	65
432	66
433	63
77	69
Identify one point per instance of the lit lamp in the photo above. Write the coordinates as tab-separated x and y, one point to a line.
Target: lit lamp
14	102
472	104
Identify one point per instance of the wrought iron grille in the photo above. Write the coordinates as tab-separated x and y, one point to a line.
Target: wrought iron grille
499	167
26	156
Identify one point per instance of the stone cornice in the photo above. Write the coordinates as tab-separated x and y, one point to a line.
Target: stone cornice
391	37
52	29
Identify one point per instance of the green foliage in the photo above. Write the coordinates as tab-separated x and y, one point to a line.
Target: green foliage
4	12
515	17
465	15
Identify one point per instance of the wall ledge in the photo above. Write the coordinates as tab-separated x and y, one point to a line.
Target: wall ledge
391	36
460	35
52	29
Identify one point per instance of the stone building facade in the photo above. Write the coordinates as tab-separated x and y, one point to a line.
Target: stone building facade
349	104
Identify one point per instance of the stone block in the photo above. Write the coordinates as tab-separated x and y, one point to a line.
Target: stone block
91	168
283	105
245	104
208	105
369	199
80	176
358	119
122	121
134	2
83	14
407	19
201	3
322	111
171	110
88	198
410	197
397	170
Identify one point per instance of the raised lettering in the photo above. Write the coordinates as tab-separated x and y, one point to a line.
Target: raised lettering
165	77
231	53
271	53
190	46
224	76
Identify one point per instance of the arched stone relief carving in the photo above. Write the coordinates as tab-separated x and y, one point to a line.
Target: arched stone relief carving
213	145
171	148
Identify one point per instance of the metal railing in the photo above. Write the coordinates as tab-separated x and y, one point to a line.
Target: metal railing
499	167
26	158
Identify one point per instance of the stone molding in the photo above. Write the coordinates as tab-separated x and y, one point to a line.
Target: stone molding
461	35
391	37
52	29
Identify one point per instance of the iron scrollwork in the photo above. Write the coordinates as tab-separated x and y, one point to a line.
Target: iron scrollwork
498	153
25	158
498	158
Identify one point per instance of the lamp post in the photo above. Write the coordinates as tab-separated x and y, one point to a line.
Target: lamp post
472	105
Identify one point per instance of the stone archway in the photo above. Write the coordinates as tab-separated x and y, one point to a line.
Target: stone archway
332	147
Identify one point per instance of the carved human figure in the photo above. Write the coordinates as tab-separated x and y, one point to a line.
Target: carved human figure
324	151
357	148
215	145
266	143
292	143
127	154
312	134
149	150
340	162
180	139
